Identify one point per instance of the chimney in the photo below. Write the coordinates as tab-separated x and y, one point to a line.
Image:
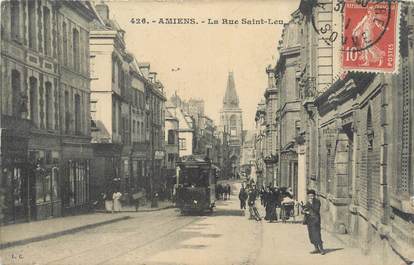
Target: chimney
103	11
144	67
153	76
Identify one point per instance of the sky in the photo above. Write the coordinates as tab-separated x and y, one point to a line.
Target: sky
206	53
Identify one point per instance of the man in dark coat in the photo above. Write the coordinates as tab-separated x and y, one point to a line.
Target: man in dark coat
243	197
273	199
313	222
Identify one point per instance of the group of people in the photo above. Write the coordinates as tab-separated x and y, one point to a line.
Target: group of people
270	198
223	191
273	197
112	201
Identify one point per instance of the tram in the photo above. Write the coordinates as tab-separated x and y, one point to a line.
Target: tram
196	184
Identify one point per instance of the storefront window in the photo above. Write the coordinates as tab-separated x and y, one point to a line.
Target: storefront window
43	185
17	187
78	183
55	183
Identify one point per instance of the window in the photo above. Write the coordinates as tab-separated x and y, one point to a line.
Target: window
113	68
297	128
46	30
114	124
119	118
77	114
15	19
32	24
16	98
65	43
171	137
67	112
33	100
76	187
41	105
75	46
49	105
93	109
233	125
182	143
171	159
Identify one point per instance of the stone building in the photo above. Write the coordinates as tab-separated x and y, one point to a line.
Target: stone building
172	149
271	154
110	104
139	154
155	129
288	112
45	107
260	143
231	122
356	138
186	132
247	159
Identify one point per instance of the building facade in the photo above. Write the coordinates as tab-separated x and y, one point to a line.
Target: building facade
44	108
231	122
110	105
260	143
288	112
271	152
355	139
172	148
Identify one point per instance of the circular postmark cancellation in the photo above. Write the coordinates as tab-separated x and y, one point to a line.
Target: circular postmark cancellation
368	37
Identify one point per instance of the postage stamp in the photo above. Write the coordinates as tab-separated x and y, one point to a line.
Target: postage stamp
370	39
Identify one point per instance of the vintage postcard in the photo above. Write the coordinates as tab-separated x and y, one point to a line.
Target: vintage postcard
207	132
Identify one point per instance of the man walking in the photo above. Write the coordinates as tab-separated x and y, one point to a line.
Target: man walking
313	222
243	197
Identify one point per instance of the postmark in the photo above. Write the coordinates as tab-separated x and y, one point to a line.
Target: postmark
370	36
365	34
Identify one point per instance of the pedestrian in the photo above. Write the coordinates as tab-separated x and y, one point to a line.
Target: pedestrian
116	197
313	222
243	197
254	213
272	203
228	189
267	202
109	202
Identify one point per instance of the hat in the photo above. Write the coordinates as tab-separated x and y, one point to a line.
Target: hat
311	192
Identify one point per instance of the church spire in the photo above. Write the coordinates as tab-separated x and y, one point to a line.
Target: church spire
231	100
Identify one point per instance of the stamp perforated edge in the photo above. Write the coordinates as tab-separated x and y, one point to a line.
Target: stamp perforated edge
397	65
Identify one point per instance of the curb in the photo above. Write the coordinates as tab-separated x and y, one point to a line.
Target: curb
142	211
59	233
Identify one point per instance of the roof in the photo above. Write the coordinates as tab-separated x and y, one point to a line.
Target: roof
231	100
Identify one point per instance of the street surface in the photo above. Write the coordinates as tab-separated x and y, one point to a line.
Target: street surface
165	237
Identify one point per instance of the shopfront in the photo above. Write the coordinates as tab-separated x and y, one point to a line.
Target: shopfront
75	186
44	177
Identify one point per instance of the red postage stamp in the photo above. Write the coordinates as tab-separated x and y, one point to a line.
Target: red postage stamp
370	36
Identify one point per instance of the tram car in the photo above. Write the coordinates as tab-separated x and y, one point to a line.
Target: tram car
196	184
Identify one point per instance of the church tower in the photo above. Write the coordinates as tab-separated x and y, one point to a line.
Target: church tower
231	123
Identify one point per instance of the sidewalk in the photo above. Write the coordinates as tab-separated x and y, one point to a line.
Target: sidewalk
24	233
162	205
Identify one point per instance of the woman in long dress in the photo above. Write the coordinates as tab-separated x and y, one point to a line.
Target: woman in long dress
117	201
109	203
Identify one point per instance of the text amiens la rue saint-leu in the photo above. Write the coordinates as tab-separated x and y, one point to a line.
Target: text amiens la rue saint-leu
208	21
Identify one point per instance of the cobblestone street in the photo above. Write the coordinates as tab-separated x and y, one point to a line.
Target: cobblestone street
166	237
